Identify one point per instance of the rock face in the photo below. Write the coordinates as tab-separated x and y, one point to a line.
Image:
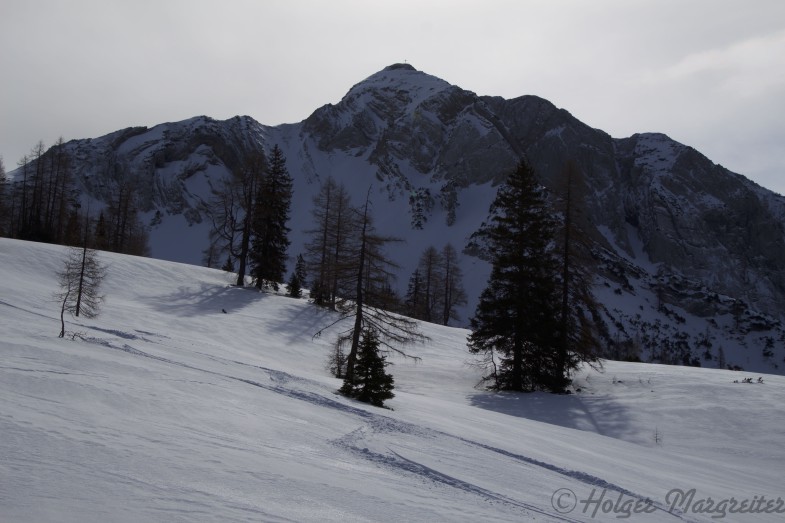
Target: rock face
690	215
688	251
704	221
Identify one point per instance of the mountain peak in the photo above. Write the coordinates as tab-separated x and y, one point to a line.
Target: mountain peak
401	77
404	66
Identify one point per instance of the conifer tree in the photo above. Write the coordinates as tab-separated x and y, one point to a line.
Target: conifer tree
453	293
293	287
269	229
517	317
413	300
301	270
228	265
370	383
297	279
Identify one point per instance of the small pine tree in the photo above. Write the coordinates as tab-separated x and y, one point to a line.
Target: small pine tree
413	299
371	383
297	279
294	287
300	270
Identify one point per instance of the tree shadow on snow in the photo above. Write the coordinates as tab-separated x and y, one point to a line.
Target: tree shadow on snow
206	300
298	321
292	317
593	414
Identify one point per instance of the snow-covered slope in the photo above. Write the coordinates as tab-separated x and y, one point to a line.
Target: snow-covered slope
169	409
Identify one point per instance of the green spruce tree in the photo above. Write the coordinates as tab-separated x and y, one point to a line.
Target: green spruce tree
517	318
297	279
269	229
413	300
228	265
371	382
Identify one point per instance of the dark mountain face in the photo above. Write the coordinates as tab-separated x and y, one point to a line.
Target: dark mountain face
690	256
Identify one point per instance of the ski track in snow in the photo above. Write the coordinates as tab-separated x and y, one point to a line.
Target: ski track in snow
396	461
381	424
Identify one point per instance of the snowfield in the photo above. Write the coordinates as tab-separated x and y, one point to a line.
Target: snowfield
170	410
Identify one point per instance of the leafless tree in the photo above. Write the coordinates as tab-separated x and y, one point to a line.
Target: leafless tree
330	260
370	276
232	209
453	293
80	283
578	307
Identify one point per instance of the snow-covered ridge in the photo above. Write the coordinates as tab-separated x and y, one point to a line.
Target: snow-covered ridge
402	79
168	409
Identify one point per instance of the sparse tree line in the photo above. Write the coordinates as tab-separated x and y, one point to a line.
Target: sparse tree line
43	203
436	287
535	321
532	327
344	266
331	254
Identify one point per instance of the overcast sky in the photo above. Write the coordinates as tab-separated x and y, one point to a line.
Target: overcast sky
709	73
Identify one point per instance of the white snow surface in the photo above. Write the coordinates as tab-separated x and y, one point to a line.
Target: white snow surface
419	86
168	409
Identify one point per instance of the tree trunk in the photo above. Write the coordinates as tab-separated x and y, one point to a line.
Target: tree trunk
62	315
358	317
84	261
561	360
